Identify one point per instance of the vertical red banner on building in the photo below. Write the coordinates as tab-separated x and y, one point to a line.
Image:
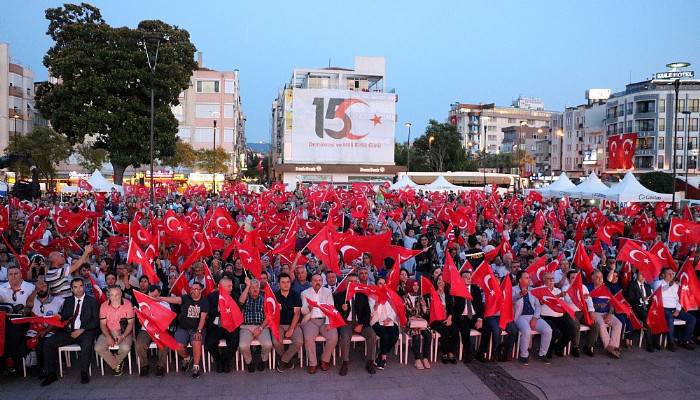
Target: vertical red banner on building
621	149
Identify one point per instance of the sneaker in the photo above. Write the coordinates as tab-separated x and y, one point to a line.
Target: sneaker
118	371
282	366
523	360
186	363
544	359
380	363
196	372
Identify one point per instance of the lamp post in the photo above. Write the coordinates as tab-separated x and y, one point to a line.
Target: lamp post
408	148
517	165
686	112
152	61
214	115
560	133
676	88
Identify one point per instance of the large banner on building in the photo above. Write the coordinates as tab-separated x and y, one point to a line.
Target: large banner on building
342	127
621	150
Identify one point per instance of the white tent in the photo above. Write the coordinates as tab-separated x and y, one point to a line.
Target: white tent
558	188
587	188
441	184
630	190
403	182
100	184
70	189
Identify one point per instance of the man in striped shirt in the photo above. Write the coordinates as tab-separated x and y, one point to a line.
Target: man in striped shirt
58	276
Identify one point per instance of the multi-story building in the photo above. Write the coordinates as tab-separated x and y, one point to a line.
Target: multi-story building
210	114
583	138
556	125
481	125
648	109
335	125
535	142
16	98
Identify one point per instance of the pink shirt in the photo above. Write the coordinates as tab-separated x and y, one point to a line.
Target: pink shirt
114	314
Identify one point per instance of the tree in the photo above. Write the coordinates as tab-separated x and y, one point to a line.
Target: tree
212	161
252	170
91	158
105	83
184	156
439	149
657	181
46	147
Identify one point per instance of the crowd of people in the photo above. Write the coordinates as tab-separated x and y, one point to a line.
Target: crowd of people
286	274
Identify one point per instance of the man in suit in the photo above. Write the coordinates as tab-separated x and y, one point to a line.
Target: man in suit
526	313
467	315
222	355
357	313
82	314
638	294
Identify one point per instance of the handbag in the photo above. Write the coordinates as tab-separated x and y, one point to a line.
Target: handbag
417	323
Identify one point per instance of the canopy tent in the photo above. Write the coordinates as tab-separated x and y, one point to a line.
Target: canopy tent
441	184
587	188
100	184
69	189
630	190
403	182
558	188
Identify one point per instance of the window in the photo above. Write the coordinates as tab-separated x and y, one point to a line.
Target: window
511	120
662	124
611	129
229	86
621	112
531	122
319	82
680	124
629	108
662	140
692	143
228	110
629	126
621	127
492	138
681	105
208	86
645	125
206	110
228	135
692	162
646	143
204	135
645	106
662	105
679	162
679	143
660	163
692	124
694	105
184	133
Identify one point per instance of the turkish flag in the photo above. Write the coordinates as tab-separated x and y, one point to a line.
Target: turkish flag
648	263
660	250
546	297
54	320
323	246
85	185
582	260
115	242
660	209
397	304
176	229
139	234
4	218
484	277
99	294
623	307
335	320
372	291
222	222
689	286
152	309
399	254
537	269
538	225
209	284
539	249
230	315
160	337
181	286
656	320
621	150
683	231
250	257
67	221
272	310
352	246
507	314
606	231
137	256
457	286
575	292
437	309
392	279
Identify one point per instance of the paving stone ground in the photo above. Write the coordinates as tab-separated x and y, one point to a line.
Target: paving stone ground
639	375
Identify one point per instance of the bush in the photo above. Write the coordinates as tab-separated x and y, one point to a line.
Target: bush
657	181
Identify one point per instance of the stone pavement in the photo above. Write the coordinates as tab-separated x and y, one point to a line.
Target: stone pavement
639	375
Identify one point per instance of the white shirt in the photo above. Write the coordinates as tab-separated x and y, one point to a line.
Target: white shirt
465	311
324	296
383	312
77	322
669	294
25	289
51	307
546	311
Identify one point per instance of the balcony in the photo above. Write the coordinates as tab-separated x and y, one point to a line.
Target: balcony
15	91
12	113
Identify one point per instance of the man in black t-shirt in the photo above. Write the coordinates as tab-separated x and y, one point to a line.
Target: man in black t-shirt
290	311
190	325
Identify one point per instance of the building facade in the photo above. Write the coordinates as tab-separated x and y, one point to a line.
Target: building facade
583	138
210	114
359	114
481	125
16	98
648	109
536	144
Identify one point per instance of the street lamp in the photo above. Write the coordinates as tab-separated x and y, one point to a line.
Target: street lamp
408	151
676	88
430	141
152	60
686	112
560	133
519	147
15	118
214	115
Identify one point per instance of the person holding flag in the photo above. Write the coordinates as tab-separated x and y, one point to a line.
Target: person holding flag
315	323
674	310
418	313
255	326
223	320
144	340
583	313
353	306
466	313
290	316
385	322
526	313
604	315
556	317
638	294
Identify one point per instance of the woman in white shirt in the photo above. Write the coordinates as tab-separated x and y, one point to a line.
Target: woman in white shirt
385	324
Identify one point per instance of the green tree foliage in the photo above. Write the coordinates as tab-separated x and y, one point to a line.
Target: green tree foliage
91	158
105	83
184	156
212	161
46	147
657	181
439	149
252	167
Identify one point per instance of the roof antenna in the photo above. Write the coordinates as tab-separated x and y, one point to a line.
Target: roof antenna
329	62
630	76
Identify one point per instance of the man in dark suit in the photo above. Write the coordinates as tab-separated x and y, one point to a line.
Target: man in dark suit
467	315
357	313
638	294
222	355
82	315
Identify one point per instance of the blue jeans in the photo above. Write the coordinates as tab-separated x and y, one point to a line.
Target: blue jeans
689	327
